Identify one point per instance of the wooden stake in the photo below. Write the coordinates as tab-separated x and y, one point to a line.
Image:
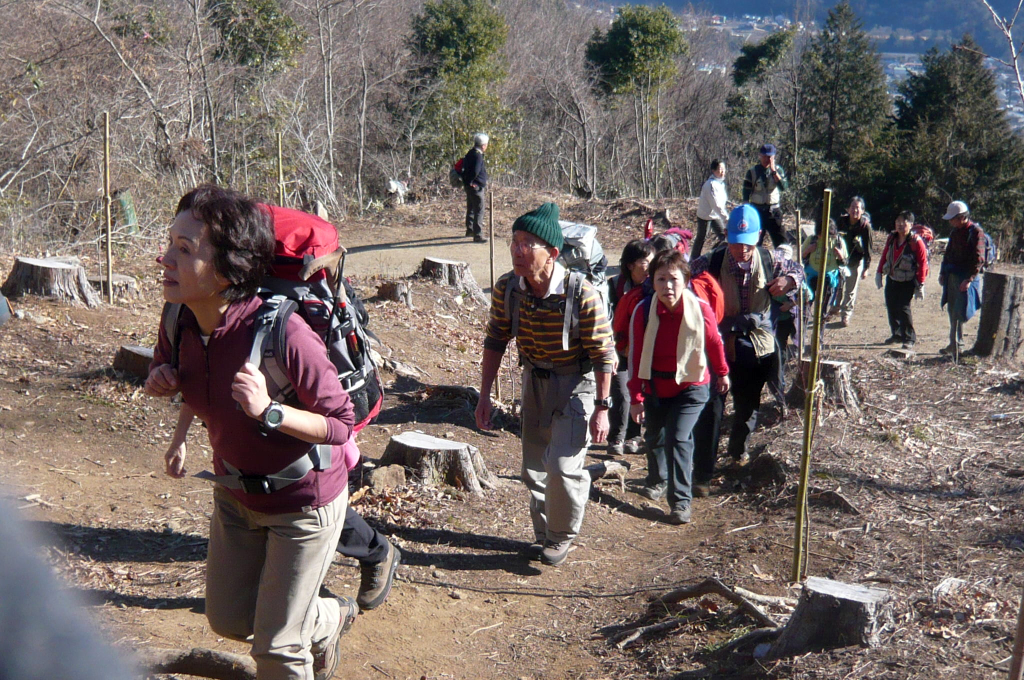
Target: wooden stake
799	259
107	200
280	169
1017	662
811	390
490	218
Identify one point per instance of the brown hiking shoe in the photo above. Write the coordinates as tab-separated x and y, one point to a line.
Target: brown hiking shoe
325	661
376	579
701	490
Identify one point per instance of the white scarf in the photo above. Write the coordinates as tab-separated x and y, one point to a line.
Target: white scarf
690	359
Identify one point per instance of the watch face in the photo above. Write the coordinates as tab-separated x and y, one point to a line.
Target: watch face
275	415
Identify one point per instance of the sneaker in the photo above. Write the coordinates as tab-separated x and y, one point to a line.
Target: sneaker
891	340
376	579
656	492
616	448
479	239
555	552
701	490
634	445
325	662
680	516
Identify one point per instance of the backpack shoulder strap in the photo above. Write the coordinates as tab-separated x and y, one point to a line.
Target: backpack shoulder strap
767	263
513	296
573	300
169	320
715	261
269	340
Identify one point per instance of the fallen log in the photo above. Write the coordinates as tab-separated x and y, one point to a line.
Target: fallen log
60	278
455	274
438	461
713	586
834	614
999	330
204	663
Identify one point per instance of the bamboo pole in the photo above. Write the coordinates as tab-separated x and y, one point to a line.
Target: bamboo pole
1017	662
799	259
490	219
280	169
810	391
107	200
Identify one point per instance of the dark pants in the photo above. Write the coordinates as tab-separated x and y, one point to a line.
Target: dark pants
706	435
771	224
620	426
898	296
702	232
360	541
777	380
749	373
674	419
474	211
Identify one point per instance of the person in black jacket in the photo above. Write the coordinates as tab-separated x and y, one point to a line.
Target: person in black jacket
474	179
855	228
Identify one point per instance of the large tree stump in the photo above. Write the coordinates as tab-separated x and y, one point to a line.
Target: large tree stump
834	614
125	287
455	274
999	330
836	379
396	291
134	360
204	663
64	279
440	461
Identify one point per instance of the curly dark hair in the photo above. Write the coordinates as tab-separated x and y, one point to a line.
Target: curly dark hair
242	234
670	258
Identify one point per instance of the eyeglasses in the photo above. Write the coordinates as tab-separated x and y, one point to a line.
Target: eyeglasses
525	247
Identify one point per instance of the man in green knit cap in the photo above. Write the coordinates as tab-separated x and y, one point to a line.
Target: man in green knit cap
565	346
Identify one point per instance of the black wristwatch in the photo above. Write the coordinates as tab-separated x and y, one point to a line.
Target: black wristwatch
606	402
273	416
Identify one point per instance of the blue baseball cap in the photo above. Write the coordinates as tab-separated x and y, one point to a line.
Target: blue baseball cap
768	150
744	225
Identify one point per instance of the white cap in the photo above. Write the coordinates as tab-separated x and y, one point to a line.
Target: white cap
955	208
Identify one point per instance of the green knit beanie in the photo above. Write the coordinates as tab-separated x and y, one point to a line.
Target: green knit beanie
542	223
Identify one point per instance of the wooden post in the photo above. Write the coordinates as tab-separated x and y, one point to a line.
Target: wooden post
107	199
280	169
799	259
811	389
490	219
1017	662
1000	331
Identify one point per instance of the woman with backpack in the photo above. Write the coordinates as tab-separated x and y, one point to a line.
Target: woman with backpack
904	265
832	263
278	508
673	336
623	432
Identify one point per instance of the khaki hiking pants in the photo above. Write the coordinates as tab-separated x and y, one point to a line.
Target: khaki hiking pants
556	432
263	577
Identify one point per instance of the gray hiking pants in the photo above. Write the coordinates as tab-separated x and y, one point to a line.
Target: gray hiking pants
956	308
556	432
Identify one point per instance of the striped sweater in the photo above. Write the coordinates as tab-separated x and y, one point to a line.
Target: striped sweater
540	330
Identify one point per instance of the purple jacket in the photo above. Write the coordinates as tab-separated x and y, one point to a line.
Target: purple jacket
205	375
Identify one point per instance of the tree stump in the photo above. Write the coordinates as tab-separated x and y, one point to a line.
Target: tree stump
63	279
439	461
134	360
396	291
834	614
838	386
455	274
203	663
609	469
125	287
999	330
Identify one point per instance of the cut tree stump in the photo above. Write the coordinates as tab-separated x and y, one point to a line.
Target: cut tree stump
834	614
125	287
203	663
396	291
836	378
440	461
63	279
1000	335
134	359
455	274
609	469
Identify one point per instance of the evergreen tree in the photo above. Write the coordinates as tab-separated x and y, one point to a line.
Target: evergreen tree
846	105
955	142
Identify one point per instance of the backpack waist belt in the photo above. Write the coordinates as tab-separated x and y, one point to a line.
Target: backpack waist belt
670	375
318	458
545	370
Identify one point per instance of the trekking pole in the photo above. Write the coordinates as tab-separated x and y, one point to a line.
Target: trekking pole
810	391
107	200
800	294
1017	662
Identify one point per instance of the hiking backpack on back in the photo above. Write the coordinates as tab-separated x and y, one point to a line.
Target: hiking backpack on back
991	252
582	252
307	278
455	174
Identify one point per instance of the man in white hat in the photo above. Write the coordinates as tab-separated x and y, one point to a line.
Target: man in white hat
961	265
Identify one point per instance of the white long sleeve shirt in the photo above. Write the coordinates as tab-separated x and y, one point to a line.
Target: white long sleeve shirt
712	200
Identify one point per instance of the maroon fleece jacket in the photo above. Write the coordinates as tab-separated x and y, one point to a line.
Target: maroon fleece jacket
205	374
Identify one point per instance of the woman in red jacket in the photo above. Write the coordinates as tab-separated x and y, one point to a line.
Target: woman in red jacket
673	336
904	264
278	508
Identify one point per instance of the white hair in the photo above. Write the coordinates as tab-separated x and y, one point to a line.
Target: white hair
480	138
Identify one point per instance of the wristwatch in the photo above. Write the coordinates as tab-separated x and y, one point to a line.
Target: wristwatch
606	402
273	416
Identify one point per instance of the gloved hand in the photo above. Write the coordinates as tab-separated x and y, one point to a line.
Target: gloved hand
878	280
919	292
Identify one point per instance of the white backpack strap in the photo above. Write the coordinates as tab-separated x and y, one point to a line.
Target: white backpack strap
268	341
573	295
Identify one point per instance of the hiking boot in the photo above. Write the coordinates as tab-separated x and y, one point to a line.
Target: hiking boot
616	448
325	662
555	552
701	490
479	239
679	516
656	492
909	344
891	340
741	460
376	579
470	233
534	550
634	445
950	349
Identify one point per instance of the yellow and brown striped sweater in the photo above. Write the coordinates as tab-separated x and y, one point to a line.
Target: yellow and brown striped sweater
540	329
